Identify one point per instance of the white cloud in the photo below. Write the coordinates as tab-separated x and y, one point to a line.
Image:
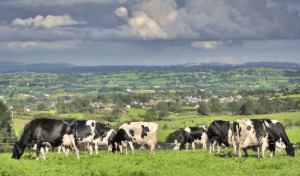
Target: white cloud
57	45
121	12
153	19
47	22
206	44
146	27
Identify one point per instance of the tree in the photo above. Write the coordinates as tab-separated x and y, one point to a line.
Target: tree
165	127
176	135
215	106
150	115
5	122
233	107
247	107
203	108
42	107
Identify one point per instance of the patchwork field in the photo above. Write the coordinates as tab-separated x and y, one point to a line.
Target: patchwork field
164	162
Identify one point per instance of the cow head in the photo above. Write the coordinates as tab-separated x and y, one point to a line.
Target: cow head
290	150
111	145
17	151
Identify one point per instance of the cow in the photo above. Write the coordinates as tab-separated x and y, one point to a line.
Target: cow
221	133
135	132
89	132
56	132
263	133
193	135
104	139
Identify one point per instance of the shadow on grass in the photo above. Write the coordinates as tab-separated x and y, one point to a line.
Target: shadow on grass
230	155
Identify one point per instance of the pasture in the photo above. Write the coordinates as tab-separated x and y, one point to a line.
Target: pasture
164	162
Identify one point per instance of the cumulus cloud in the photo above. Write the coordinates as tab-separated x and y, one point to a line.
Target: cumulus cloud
146	27
206	44
47	22
153	19
57	45
121	12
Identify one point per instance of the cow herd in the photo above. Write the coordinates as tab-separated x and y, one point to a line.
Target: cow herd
261	134
242	134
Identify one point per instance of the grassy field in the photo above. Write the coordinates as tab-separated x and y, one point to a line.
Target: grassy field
164	162
293	134
135	112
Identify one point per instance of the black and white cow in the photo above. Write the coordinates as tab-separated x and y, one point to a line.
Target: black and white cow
87	131
193	135
56	132
221	132
135	132
104	139
263	133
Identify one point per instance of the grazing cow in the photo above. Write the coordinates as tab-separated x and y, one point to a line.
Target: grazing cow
104	139
193	135
89	132
56	132
221	132
263	133
135	132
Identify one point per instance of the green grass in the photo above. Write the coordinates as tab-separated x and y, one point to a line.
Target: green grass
135	112
163	134
293	134
164	162
79	115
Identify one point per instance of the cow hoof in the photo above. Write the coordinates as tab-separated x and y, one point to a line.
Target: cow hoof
78	157
37	158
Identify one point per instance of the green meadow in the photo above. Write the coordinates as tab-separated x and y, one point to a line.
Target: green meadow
164	162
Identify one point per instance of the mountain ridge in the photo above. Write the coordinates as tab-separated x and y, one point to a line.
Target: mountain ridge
62	67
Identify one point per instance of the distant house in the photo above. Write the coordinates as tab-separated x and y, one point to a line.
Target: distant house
2	96
156	87
196	107
128	106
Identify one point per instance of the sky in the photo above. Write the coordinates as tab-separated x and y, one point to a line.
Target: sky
149	32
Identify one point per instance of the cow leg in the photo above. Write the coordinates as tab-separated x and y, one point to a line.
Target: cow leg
47	149
85	147
66	151
152	150
263	148
240	150
121	148
219	146
38	149
234	147
43	153
131	146
211	146
187	146
259	152
226	148
59	148
52	150
214	145
74	143
90	148
96	147
193	145
245	150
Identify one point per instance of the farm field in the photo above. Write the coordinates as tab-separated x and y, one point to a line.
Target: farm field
164	162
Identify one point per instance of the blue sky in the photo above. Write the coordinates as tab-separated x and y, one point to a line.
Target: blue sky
149	32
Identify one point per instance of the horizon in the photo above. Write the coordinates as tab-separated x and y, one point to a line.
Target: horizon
149	32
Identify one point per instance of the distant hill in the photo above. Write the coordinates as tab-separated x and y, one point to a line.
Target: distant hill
69	68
